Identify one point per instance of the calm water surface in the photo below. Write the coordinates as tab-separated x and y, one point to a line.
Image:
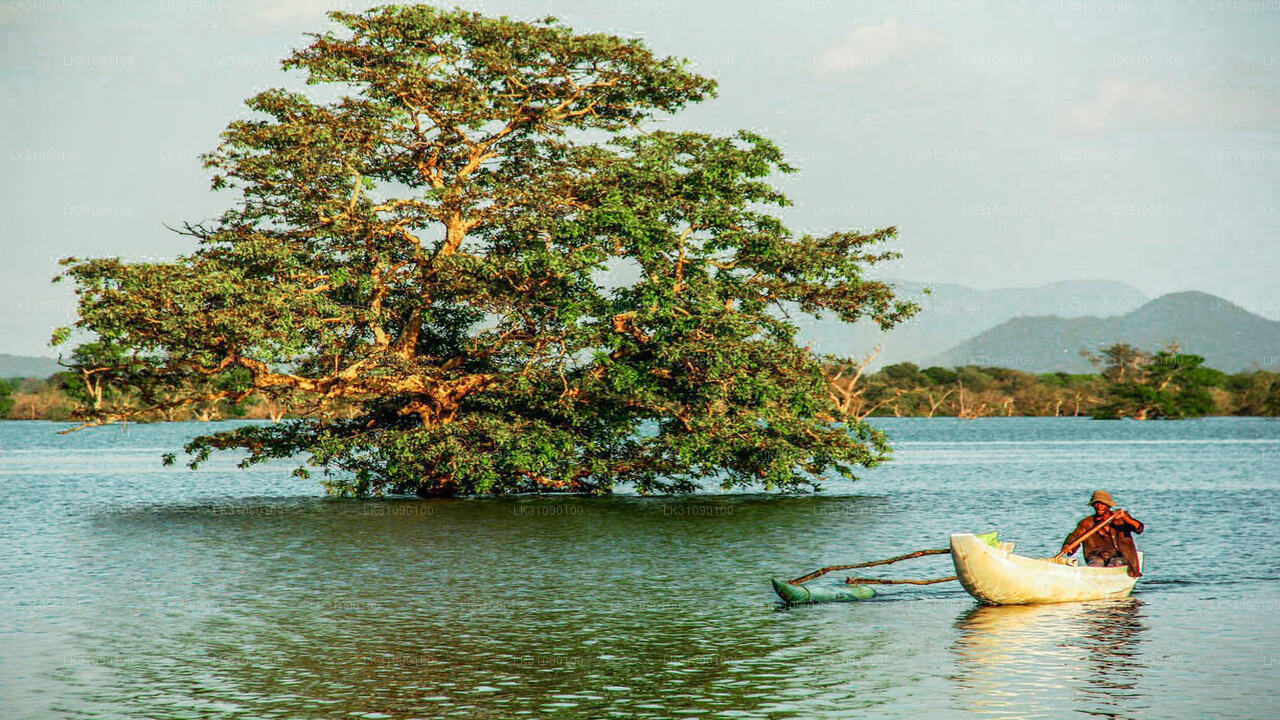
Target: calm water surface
135	591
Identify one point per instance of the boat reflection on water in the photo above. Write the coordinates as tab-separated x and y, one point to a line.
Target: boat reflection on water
1029	661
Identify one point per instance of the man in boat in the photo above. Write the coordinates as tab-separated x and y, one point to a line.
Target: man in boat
1111	546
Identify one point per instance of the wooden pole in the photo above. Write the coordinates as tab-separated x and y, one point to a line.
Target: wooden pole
879	581
873	563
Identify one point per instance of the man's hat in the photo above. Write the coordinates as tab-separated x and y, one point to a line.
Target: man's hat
1102	496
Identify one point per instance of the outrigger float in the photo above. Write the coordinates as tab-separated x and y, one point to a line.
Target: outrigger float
796	593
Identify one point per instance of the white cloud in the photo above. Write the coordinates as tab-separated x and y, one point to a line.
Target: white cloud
869	46
1128	103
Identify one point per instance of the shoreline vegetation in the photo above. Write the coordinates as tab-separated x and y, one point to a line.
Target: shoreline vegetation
1129	383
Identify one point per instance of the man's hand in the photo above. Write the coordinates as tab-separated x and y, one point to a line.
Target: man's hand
1120	517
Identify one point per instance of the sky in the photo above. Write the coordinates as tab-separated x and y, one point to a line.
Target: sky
1013	142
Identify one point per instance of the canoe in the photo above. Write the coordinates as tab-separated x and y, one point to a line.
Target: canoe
804	594
990	572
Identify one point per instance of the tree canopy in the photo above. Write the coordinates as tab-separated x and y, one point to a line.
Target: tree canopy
479	270
6	399
1165	384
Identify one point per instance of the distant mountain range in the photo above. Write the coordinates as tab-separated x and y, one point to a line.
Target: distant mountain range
13	366
952	314
1229	337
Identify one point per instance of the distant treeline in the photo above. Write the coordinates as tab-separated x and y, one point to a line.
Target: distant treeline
57	398
1130	383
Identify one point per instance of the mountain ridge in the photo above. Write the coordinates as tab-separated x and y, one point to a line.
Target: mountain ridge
1229	337
954	313
16	366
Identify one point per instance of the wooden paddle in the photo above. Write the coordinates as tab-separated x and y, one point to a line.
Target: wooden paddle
1085	536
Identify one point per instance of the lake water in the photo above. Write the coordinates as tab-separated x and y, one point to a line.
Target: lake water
136	591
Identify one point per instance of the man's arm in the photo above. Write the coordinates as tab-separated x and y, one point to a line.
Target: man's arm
1082	527
1133	524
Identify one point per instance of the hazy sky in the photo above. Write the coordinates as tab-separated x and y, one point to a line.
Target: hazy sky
1014	142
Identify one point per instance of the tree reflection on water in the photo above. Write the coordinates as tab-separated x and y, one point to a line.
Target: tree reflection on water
1051	660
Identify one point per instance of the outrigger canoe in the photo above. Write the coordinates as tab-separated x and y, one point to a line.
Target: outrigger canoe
990	572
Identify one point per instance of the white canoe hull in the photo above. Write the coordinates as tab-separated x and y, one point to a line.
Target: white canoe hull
998	577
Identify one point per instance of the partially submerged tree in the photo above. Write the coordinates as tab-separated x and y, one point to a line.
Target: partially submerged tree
6	399
1165	384
1256	393
475	272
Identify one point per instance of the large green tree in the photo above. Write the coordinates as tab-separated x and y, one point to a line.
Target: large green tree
478	270
1166	384
6	399
1256	393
